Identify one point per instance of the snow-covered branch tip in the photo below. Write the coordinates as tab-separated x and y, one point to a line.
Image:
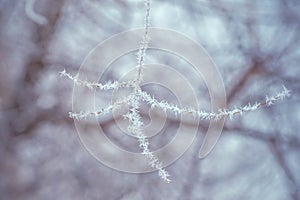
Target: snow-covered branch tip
280	96
94	85
285	93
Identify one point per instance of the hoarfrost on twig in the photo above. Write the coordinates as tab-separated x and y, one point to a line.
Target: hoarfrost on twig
136	124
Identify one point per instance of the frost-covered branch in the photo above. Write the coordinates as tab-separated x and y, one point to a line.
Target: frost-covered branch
136	125
144	42
280	96
213	115
110	108
93	85
136	129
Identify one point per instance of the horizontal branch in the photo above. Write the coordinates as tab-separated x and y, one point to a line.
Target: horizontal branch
94	85
110	108
213	115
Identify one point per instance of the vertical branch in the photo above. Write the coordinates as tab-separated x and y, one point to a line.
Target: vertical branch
144	43
136	129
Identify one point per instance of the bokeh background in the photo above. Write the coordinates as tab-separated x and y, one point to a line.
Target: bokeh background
256	46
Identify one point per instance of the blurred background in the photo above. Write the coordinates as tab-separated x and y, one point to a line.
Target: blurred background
256	46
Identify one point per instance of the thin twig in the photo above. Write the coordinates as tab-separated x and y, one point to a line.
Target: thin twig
144	42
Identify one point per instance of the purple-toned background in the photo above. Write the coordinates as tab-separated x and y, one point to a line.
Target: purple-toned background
255	46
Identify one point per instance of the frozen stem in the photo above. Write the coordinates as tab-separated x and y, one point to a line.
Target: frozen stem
93	85
144	42
166	106
88	114
136	129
